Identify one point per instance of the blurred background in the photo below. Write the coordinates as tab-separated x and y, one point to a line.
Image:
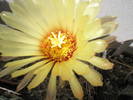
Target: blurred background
123	9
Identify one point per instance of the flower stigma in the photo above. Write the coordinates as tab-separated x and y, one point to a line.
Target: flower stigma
58	45
57	41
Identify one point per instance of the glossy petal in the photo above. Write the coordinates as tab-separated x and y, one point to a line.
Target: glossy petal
106	19
25	81
93	9
98	45
84	52
91	75
15	65
28	69
109	27
19	24
68	75
41	74
93	30
101	63
51	92
76	87
10	34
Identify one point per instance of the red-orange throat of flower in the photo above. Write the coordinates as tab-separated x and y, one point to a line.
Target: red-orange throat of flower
58	45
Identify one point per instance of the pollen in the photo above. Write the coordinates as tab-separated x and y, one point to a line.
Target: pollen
58	45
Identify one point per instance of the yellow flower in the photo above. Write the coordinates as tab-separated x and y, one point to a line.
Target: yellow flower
52	36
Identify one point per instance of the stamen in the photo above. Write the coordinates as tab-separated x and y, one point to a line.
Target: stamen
57	41
58	46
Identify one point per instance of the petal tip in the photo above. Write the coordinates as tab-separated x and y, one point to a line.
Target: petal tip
98	83
108	66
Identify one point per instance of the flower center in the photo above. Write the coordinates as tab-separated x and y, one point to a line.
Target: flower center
58	45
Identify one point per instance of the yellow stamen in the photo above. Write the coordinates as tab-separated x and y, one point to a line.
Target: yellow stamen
58	45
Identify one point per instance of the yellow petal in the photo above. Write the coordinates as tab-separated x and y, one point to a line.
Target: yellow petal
25	81
60	12
10	48
101	63
76	87
64	72
68	75
19	23
100	27
80	20
7	71
52	19
91	31
62	69
109	27
70	6
41	74
36	17
15	65
84	52
18	52
81	6
56	70
98	45
91	75
51	92
22	62
106	19
26	70
17	45
79	24
96	1
78	66
10	34
93	8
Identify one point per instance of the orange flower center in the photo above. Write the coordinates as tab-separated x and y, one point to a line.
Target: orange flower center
58	45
